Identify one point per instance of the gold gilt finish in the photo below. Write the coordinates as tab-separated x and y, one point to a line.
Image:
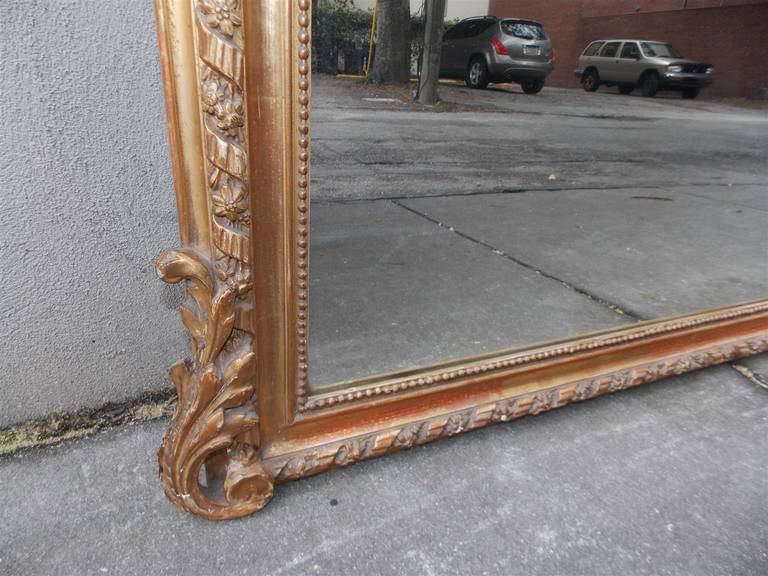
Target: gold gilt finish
237	84
215	424
215	413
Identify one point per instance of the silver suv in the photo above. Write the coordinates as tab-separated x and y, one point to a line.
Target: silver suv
652	66
490	49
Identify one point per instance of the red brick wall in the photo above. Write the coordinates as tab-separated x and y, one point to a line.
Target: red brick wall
732	36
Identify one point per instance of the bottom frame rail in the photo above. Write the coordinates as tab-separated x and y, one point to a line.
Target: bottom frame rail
339	453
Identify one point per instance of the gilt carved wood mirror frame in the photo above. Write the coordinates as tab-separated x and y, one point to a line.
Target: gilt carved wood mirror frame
237	85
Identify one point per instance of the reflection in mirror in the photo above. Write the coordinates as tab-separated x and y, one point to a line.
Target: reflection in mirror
514	214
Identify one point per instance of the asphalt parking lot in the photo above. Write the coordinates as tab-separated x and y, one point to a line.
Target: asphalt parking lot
503	140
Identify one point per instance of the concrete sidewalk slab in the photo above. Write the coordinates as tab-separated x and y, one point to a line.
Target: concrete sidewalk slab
653	255
668	479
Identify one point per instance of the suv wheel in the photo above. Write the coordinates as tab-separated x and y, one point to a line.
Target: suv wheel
477	73
591	81
532	86
650	84
691	93
626	88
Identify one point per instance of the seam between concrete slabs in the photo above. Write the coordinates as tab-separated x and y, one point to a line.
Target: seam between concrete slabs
572	287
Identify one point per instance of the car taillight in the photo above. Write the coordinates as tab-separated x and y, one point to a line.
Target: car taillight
500	49
553	56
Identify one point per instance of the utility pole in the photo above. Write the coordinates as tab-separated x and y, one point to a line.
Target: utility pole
433	43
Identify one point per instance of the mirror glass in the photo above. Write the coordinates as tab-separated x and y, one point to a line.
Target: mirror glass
512	213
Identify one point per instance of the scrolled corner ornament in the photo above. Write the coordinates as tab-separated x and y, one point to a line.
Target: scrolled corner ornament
215	421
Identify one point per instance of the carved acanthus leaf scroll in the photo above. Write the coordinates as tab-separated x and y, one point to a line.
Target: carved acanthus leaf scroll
215	414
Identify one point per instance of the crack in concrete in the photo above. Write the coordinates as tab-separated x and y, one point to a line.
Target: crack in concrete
58	427
385	162
657	198
751	375
524	190
570	286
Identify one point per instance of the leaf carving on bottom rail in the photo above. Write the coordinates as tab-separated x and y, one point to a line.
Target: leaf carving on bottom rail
215	425
345	452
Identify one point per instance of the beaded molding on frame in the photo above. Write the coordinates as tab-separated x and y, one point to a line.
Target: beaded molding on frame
513	360
349	451
302	218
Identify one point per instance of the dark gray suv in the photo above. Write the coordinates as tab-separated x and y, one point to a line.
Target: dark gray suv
489	49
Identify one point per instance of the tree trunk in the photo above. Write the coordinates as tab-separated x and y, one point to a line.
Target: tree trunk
433	43
391	62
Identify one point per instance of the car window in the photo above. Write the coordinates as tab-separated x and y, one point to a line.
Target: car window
630	50
473	28
660	50
593	48
610	50
487	23
524	30
456	32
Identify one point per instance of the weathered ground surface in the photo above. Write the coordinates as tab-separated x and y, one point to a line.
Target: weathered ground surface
667	479
503	140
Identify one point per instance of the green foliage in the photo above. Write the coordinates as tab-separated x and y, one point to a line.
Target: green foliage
339	27
417	24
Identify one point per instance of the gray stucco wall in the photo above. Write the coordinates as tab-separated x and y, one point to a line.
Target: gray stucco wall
86	203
